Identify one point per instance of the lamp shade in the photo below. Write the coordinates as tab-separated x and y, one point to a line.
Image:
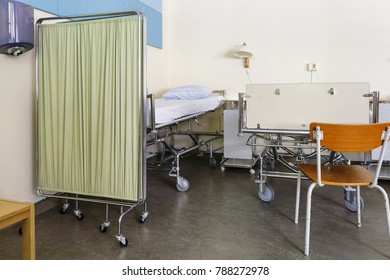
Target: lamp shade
243	52
16	27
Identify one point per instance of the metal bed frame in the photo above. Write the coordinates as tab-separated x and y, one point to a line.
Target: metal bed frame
164	134
287	147
125	205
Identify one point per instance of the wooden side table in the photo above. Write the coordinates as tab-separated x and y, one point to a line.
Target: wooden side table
12	212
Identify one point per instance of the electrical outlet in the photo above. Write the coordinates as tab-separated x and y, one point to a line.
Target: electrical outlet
312	67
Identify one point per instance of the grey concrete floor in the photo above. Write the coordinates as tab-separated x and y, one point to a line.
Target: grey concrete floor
219	217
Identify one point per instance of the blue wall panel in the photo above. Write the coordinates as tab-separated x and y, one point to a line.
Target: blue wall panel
79	7
156	5
45	5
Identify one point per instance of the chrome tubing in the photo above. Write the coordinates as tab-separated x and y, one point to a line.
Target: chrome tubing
241	124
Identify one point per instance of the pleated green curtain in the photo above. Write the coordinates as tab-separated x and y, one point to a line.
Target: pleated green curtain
89	111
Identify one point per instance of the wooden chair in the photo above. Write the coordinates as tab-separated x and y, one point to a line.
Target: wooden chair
343	138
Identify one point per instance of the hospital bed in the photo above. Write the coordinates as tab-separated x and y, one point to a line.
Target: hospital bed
91	111
170	119
278	117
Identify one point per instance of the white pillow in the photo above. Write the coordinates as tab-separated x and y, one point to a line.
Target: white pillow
188	92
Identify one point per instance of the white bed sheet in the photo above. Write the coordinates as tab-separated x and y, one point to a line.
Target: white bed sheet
170	110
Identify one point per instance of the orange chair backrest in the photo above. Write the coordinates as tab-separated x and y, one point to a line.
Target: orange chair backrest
350	137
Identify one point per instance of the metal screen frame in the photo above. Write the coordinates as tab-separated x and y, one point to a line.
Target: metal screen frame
141	193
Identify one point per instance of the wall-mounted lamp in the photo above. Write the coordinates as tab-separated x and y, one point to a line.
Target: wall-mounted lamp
244	53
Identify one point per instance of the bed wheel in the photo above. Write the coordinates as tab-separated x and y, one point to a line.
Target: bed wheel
222	168
352	206
212	162
252	171
182	184
350	201
268	194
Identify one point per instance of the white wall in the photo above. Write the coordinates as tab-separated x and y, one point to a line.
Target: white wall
349	40
17	122
157	61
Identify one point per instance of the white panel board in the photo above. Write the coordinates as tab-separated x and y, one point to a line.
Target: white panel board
295	106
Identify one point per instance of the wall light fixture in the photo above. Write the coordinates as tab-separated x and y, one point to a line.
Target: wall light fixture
243	52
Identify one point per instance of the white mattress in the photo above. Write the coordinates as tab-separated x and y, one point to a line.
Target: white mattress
170	110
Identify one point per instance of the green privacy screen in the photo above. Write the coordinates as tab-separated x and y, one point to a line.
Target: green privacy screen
90	108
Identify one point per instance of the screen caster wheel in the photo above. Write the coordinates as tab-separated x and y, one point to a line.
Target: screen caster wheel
79	215
123	242
142	218
104	226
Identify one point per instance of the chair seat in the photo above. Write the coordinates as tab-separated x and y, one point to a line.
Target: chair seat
339	175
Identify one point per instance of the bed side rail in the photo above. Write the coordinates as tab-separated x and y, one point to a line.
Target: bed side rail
152	123
241	121
221	92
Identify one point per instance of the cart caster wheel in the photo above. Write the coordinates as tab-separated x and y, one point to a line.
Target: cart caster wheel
103	228
212	163
268	195
142	218
252	171
352	205
182	184
222	168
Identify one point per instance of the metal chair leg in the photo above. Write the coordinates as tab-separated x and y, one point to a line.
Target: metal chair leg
298	194
308	216
387	208
358	206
